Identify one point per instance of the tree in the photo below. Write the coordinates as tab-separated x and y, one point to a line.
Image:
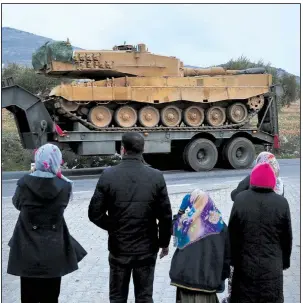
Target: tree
288	82
30	80
291	89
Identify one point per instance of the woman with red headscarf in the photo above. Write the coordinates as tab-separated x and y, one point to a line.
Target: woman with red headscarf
261	240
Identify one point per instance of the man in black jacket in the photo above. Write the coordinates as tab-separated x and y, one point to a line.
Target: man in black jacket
135	197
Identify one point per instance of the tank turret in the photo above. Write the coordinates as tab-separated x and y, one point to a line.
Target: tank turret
58	59
122	60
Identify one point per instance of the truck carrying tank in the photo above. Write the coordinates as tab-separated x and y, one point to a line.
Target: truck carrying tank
129	87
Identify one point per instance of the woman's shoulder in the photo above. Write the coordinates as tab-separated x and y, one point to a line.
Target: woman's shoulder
279	199
28	179
22	181
65	184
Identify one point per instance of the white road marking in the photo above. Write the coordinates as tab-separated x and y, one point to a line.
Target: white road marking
75	192
171	185
9	180
180	185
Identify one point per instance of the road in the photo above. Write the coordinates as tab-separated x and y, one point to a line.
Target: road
89	284
178	180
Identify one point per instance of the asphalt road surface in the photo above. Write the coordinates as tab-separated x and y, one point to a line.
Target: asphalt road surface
178	181
90	283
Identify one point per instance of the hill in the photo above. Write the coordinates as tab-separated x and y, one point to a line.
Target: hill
18	47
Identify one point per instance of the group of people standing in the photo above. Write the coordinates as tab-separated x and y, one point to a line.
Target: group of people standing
131	203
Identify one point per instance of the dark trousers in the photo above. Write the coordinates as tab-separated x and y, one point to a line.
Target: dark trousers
141	267
38	290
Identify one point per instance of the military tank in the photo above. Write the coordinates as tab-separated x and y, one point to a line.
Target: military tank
130	88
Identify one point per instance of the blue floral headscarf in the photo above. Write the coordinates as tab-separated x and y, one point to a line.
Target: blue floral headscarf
201	220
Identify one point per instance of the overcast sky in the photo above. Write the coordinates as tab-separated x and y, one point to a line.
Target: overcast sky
198	34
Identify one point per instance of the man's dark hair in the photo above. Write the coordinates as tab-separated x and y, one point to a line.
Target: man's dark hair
133	143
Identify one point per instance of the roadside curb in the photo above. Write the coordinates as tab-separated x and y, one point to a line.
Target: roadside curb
6	176
89	172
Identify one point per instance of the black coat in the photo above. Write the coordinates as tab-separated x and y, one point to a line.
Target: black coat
135	197
203	265
261	243
243	185
41	245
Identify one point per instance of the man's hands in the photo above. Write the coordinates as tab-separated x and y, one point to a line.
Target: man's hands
164	252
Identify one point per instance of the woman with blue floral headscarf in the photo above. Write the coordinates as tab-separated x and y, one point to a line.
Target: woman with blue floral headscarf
201	262
41	248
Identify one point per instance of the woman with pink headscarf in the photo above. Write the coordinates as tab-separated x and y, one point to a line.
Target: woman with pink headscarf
41	248
264	157
261	239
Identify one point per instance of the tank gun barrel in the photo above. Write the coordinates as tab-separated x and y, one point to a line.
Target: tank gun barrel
217	71
213	71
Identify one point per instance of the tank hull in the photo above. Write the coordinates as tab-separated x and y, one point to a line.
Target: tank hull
127	102
163	90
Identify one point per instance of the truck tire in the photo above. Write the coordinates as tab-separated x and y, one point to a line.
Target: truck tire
201	155
240	153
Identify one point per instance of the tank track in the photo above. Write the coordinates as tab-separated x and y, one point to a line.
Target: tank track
76	118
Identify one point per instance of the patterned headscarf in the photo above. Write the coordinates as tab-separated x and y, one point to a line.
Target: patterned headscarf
267	157
202	219
48	161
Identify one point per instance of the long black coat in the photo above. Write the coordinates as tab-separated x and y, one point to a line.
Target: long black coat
261	242
135	197
41	245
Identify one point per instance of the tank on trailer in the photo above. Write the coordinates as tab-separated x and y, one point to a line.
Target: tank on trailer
131	87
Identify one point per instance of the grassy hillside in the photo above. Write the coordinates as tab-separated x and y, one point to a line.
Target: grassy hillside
290	133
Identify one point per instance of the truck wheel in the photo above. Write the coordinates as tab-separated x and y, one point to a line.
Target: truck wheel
201	154
240	153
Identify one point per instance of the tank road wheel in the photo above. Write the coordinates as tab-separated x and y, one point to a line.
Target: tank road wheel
215	116
69	105
237	113
194	116
240	153
171	116
149	116
201	154
256	103
126	116
100	116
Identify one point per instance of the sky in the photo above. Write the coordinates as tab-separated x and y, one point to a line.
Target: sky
198	34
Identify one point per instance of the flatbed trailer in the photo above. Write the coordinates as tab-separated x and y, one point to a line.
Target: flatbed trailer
200	148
